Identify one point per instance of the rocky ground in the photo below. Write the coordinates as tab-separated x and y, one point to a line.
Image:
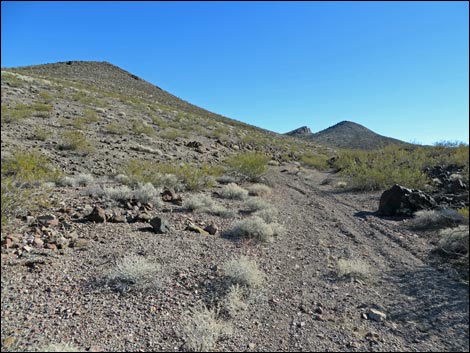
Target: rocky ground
401	304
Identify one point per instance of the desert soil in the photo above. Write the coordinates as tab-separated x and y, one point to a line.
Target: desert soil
302	306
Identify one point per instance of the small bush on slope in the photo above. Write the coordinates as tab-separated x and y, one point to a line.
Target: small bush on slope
250	166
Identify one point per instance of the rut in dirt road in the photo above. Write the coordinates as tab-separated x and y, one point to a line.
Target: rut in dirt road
427	310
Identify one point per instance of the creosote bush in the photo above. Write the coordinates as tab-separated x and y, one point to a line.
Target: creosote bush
251	166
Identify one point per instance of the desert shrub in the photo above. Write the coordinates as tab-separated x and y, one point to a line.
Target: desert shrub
22	175
434	219
316	161
233	191
243	271
380	169
205	204
233	301
255	228
226	179
146	193
41	134
16	113
116	128
42	107
250	166
134	273
172	134
86	98
11	80
269	215
259	190
118	193
29	167
45	97
355	268
139	127
454	241
76	141
78	180
201	329
160	122
464	213
256	204
188	176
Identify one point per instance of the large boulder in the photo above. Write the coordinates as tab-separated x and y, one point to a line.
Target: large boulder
401	201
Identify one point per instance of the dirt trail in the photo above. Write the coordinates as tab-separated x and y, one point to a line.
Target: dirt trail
303	306
427	309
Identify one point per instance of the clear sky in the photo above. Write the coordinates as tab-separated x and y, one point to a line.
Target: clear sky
398	68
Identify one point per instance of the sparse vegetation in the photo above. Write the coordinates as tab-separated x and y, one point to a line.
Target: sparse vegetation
134	273
454	242
354	268
259	190
233	301
434	219
316	161
244	271
76	141
250	166
233	191
380	169
201	329
204	203
256	204
255	228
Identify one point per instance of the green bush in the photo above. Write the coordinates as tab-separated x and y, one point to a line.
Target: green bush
16	113
314	161
29	167
76	141
250	166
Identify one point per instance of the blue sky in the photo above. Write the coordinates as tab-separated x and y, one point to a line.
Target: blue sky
398	68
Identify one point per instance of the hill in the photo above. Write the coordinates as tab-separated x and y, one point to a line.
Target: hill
347	134
135	221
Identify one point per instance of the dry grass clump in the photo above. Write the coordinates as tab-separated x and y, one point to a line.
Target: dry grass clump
454	242
435	219
134	273
204	203
255	228
76	141
79	180
256	204
244	271
234	192
144	193
269	215
259	190
201	329
355	268
233	301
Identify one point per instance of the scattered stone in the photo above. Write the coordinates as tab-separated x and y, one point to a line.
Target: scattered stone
168	195
194	228
118	218
38	243
143	217
376	315
160	225
29	219
211	228
62	242
251	345
48	220
98	215
194	144
79	243
399	200
51	246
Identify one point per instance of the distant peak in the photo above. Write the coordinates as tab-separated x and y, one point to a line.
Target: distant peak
304	130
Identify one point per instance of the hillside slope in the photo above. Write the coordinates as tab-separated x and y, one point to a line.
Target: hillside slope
347	134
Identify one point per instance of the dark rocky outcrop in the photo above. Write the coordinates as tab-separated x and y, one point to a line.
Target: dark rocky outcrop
401	201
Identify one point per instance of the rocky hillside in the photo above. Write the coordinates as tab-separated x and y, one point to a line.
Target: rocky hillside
347	134
135	221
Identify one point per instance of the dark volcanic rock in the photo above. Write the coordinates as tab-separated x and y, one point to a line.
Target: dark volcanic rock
98	215
160	225
399	200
